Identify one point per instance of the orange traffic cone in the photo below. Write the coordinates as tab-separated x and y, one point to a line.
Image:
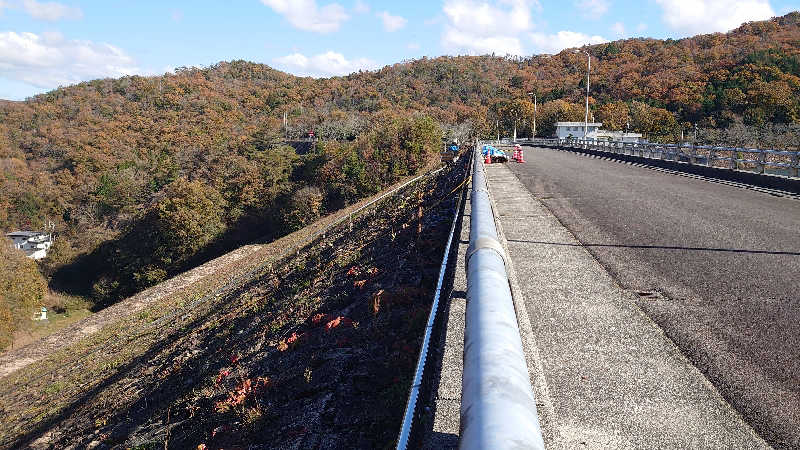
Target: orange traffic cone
521	157
488	159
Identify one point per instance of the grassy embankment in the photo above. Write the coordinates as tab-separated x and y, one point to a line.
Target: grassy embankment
325	339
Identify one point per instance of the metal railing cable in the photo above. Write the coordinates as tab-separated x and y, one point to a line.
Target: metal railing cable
416	384
498	408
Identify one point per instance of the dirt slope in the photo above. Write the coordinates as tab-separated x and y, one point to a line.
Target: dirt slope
314	351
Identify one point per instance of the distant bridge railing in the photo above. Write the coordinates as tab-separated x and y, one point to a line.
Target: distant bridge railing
764	161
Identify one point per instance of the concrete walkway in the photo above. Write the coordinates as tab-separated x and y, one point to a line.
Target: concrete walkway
605	375
448	350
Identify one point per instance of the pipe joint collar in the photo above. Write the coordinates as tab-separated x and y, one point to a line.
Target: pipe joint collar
485	242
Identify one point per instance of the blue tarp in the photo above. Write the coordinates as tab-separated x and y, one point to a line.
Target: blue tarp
492	151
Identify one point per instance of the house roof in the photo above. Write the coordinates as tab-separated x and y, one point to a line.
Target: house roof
618	133
26	234
575	124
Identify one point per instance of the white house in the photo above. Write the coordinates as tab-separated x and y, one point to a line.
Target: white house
34	243
566	130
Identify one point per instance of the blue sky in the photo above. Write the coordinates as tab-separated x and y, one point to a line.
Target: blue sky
45	44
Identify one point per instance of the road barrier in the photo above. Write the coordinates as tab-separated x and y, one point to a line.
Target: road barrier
782	162
498	408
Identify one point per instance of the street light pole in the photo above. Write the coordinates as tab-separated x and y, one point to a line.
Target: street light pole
586	117
515	125
588	70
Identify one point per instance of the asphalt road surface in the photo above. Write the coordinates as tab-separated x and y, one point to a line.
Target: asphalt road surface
717	267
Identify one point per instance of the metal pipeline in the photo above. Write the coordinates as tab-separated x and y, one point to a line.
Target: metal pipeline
498	409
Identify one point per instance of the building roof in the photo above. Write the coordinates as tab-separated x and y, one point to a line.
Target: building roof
26	234
575	124
618	133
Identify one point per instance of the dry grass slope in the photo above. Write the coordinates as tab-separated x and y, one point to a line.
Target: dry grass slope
313	350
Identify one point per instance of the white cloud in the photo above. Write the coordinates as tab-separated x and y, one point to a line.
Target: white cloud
51	11
413	46
323	65
306	15
592	9
708	16
480	27
361	7
49	60
641	27
618	29
392	23
554	43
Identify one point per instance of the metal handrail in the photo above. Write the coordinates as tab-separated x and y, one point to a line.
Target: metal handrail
498	408
692	154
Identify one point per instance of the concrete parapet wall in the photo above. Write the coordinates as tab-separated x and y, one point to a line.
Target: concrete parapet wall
756	179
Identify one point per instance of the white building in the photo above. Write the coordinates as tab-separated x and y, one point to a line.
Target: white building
567	130
617	136
35	244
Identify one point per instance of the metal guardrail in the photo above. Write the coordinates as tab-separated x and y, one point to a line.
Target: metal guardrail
782	162
498	408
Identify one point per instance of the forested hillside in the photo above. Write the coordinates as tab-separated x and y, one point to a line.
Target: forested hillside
146	176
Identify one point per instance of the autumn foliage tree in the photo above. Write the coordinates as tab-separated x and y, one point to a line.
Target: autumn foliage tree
98	157
614	116
22	289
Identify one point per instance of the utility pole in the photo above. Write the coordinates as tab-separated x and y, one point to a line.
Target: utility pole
588	69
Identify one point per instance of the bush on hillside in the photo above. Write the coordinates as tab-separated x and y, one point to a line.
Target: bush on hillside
22	289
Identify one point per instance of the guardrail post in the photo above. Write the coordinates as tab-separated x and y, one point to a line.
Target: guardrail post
498	408
693	154
762	160
796	165
711	156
